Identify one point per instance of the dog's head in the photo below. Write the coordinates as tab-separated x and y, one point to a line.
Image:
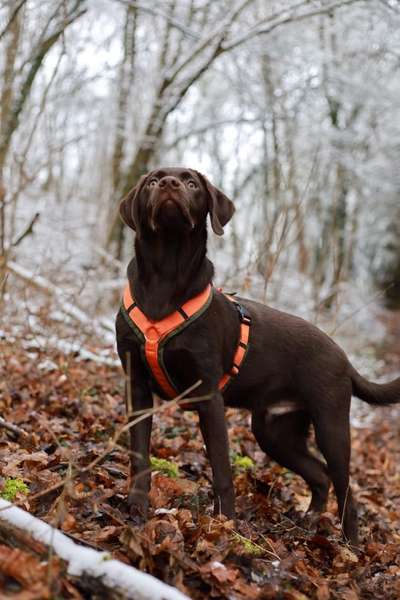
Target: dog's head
175	199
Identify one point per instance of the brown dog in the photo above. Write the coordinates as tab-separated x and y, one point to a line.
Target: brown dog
293	374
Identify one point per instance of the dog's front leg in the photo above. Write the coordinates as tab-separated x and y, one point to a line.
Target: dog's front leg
139	399
215	435
138	498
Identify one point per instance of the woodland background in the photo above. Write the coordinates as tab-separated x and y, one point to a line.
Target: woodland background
290	106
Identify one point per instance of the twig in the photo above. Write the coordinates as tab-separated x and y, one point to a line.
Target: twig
360	308
269	27
347	541
344	508
13	428
243	538
28	230
3	284
112	444
59	519
156	12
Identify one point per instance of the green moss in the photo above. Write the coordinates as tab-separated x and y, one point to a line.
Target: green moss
248	546
165	466
243	462
12	487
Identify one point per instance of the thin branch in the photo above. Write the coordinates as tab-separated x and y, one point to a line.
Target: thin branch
284	11
369	301
11	19
13	428
256	31
391	7
207	127
156	12
28	230
215	38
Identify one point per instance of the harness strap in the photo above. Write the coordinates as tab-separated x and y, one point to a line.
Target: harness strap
241	350
154	334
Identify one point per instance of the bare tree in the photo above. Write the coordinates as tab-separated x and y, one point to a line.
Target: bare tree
181	69
18	81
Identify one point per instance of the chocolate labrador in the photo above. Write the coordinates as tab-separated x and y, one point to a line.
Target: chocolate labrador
293	375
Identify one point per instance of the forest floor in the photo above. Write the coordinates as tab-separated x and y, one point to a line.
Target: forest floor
73	408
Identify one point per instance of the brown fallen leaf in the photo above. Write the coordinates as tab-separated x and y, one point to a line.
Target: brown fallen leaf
23	567
323	592
107	534
219	572
68	522
164	489
349	594
164	534
37	591
132	542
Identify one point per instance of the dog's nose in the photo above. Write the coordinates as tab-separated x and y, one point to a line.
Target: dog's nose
169	181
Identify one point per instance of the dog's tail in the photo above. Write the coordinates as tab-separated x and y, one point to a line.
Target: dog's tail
375	393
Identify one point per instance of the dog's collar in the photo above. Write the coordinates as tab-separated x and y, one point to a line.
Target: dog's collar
153	335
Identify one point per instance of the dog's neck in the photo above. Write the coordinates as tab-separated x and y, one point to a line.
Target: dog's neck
168	270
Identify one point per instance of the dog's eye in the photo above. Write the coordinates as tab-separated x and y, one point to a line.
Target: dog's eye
192	185
152	182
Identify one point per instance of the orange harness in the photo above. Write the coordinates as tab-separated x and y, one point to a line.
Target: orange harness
155	334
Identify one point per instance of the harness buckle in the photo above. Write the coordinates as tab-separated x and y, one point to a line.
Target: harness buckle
234	371
151	334
243	314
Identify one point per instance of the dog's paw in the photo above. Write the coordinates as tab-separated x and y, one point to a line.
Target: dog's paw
138	509
136	519
310	520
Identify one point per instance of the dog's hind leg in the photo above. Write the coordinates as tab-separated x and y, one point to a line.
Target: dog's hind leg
284	438
332	433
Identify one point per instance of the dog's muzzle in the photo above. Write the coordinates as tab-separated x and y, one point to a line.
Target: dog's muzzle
167	208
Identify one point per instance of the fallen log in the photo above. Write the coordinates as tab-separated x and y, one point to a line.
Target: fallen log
82	562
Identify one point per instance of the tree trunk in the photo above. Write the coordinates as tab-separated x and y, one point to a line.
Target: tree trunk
126	77
6	101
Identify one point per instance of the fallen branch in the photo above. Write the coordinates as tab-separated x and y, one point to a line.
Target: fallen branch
103	328
84	562
13	428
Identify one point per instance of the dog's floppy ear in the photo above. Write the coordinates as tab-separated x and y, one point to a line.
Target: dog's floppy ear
220	207
128	208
